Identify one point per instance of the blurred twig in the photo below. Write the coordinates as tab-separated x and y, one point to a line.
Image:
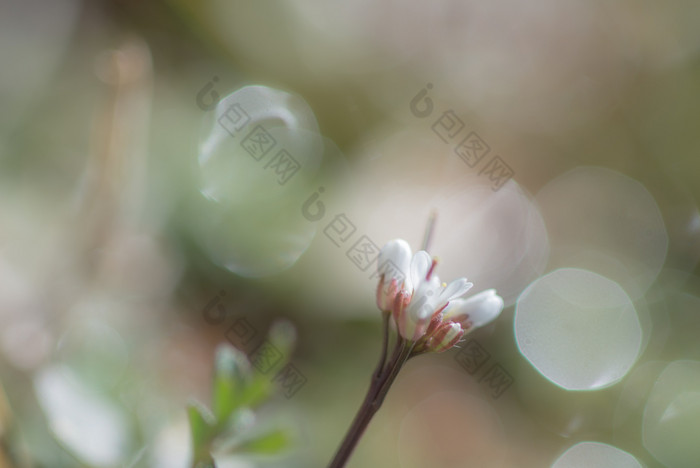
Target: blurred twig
114	184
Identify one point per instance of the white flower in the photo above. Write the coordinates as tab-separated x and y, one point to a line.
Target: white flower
475	311
428	296
425	310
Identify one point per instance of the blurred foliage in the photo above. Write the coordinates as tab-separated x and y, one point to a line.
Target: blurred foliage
237	391
99	135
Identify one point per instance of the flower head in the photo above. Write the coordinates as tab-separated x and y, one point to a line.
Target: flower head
426	311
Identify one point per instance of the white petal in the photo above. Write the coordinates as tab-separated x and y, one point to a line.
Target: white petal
486	310
420	304
454	310
410	321
420	265
424	300
421	320
421	310
453	290
395	260
481	308
476	299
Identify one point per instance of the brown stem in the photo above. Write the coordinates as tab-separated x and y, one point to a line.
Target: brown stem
385	345
405	352
378	389
359	424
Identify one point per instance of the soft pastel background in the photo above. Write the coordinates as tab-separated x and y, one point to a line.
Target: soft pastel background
112	244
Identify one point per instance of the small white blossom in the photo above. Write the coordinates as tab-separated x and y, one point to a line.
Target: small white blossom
424	309
428	296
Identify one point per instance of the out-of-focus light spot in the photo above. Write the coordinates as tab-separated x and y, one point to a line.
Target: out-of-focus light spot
606	222
672	416
595	454
260	161
84	422
233	150
578	329
635	391
495	238
439	430
499	242
648	326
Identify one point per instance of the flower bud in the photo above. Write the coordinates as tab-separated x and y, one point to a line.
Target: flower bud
475	311
445	337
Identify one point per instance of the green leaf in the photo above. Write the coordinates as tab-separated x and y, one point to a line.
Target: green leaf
231	378
270	443
282	336
201	429
258	390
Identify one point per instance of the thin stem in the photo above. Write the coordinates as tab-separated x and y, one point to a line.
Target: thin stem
359	424
381	382
406	348
385	344
429	228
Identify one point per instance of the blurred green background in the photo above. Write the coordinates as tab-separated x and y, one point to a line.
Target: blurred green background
120	272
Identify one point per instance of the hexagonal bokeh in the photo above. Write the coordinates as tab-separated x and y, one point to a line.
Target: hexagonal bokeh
672	416
588	454
578	329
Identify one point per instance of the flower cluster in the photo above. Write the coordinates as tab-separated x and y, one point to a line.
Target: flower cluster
427	312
